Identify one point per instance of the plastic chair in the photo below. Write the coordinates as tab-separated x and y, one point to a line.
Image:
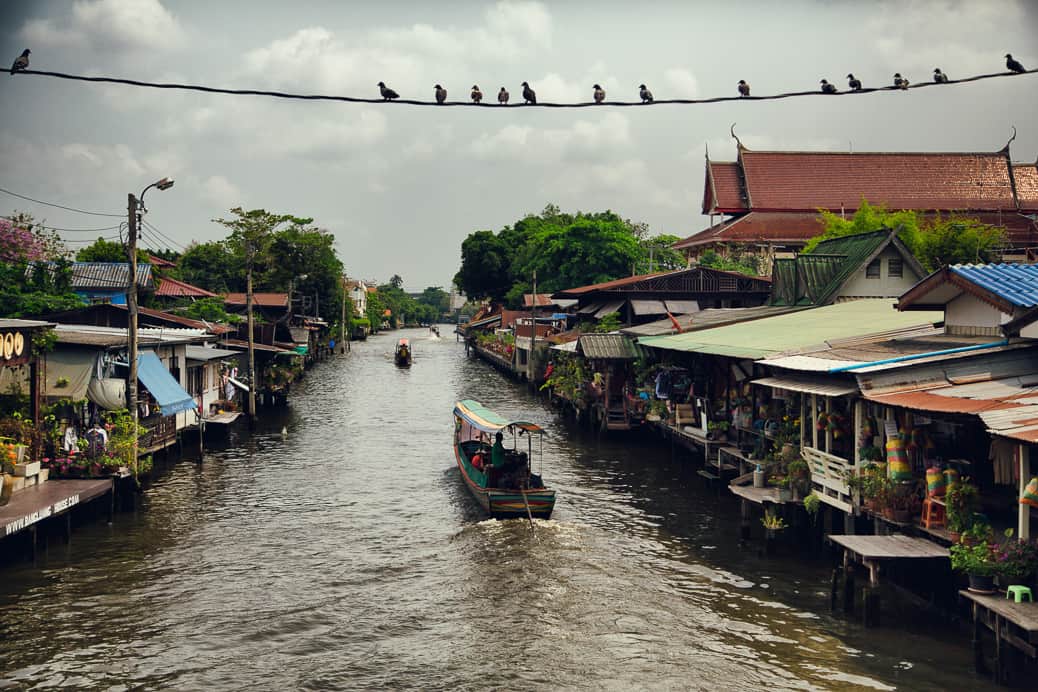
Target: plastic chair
1018	591
934	514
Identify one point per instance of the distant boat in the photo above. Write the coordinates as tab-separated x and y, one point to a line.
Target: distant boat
512	490
403	356
434	331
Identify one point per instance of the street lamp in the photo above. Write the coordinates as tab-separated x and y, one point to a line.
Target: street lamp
134	204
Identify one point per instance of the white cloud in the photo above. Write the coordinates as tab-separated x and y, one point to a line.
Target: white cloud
222	192
683	82
99	24
584	140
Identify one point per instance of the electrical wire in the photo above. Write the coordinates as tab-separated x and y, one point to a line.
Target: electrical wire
60	206
151	227
413	102
67	230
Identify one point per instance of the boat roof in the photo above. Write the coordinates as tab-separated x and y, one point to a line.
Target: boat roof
480	417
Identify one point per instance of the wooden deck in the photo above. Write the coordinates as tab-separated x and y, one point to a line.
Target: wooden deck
222	418
760	496
1012	623
29	507
871	549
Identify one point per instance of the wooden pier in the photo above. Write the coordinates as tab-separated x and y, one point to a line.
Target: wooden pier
1012	623
28	508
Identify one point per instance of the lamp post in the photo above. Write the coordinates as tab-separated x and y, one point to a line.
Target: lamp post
134	206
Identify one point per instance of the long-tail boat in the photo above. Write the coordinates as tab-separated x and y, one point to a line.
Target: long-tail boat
402	356
508	489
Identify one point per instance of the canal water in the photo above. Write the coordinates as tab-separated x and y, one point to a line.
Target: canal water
345	553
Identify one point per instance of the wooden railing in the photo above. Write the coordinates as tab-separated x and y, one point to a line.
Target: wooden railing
161	432
829	477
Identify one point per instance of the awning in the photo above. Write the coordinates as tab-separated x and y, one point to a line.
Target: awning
201	353
682	307
590	308
170	396
568	347
69	371
611	306
648	307
807	385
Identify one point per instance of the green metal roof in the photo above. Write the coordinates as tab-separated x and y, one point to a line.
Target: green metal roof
816	278
607	347
791	331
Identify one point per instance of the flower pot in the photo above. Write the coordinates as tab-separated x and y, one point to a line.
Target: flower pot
30	468
980	583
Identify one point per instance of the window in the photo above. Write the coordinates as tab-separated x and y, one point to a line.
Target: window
872	271
895	267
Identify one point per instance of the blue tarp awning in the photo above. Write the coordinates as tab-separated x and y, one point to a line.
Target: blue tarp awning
170	396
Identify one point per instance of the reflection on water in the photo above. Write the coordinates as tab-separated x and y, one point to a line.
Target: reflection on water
348	554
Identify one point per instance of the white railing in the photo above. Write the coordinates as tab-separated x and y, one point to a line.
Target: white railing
829	477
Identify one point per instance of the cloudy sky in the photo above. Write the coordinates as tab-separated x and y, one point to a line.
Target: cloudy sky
401	186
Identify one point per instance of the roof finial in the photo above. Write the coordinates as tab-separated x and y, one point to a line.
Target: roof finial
738	143
1006	147
706	148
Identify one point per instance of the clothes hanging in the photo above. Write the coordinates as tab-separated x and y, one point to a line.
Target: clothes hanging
1002	455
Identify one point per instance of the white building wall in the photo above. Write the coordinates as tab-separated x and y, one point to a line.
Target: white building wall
885	286
970	311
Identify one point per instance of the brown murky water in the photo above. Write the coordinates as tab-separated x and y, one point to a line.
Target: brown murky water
348	555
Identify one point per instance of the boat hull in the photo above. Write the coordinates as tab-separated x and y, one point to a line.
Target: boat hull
506	503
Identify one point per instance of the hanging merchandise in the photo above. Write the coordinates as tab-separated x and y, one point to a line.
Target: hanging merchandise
1030	497
936	482
897	461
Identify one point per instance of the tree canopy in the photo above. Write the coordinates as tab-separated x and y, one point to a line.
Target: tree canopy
565	250
23	241
935	241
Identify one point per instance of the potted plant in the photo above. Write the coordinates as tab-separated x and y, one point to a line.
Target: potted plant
973	556
812	504
961	503
799	477
772	523
1016	562
785	494
717	430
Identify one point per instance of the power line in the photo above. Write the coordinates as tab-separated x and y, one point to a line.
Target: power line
413	102
59	206
68	230
151	227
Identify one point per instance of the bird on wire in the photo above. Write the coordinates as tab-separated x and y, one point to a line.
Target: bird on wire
645	94
1012	65
502	96
387	93
441	94
744	88
477	95
599	94
853	82
528	94
899	81
827	88
939	77
21	62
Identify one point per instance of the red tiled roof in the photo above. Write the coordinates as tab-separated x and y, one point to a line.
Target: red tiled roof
726	186
173	288
159	262
264	300
805	181
185	321
794	228
1026	177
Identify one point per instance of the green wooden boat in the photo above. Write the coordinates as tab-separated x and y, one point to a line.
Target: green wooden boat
512	490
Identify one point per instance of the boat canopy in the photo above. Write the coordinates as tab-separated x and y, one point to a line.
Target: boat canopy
480	417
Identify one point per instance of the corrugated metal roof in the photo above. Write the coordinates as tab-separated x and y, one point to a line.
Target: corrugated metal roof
807	363
648	307
1019	423
11	323
100	275
1016	362
174	288
808	385
204	354
788	332
1016	283
607	347
708	319
682	307
609	307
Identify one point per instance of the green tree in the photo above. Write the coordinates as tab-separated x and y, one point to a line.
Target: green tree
47	287
102	250
299	251
485	263
437	298
935	241
737	261
658	254
214	266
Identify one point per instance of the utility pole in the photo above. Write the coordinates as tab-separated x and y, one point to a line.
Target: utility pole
533	333
251	326
131	309
342	322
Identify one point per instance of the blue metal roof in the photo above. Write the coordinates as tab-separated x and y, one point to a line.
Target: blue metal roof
1015	283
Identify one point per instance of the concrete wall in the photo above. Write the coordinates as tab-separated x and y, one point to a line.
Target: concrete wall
968	312
885	286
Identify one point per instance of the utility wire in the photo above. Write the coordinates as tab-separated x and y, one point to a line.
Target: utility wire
413	102
60	206
147	224
67	230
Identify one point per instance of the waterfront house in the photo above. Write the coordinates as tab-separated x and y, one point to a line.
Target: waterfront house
101	282
648	297
766	203
174	291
